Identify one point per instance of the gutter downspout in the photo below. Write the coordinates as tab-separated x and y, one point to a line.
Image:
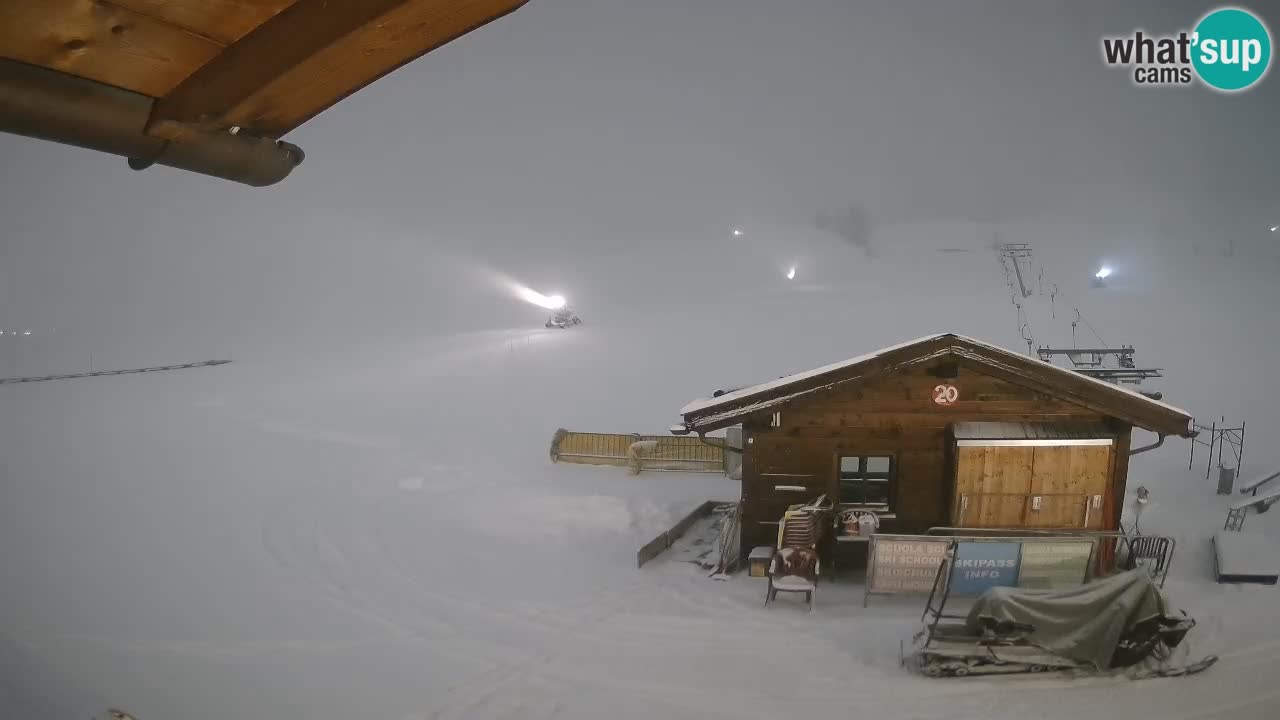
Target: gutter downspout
1159	441
702	435
683	430
50	105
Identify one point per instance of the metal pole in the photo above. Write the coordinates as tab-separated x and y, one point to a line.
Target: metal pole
1213	434
1240	457
1192	461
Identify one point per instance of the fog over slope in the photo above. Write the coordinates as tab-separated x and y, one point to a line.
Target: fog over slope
358	517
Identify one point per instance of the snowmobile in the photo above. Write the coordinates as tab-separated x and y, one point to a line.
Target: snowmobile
1115	622
563	318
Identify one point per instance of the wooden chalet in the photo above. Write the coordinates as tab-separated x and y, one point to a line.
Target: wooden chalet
940	431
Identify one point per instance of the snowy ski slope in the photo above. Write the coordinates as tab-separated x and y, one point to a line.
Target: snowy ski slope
373	529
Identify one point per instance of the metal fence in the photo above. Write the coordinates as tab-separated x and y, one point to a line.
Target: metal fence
640	452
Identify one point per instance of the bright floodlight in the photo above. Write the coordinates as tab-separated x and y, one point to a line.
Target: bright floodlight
791	274
1103	272
1275	228
737	232
553	302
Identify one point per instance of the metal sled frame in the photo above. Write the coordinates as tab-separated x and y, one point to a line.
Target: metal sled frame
949	650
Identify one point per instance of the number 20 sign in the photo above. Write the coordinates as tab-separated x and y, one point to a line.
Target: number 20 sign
945	394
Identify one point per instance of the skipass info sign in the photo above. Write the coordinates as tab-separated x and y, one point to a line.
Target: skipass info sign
910	563
980	566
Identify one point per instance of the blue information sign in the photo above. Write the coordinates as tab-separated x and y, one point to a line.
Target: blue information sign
982	565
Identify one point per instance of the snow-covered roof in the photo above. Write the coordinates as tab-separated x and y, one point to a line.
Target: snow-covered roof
739	403
707	403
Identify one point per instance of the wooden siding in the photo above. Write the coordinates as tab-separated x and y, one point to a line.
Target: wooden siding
264	65
895	415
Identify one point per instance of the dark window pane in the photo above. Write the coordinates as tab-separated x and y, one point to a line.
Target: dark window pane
876	492
852	491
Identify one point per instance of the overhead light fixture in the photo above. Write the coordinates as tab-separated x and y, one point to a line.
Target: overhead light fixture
1103	273
791	274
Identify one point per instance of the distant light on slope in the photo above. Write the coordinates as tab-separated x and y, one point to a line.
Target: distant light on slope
737	232
26	332
1103	272
791	274
1275	228
550	302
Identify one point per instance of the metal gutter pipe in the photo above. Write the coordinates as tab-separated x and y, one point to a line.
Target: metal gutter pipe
50	105
1159	441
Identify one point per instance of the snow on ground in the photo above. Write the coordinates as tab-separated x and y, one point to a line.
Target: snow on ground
373	529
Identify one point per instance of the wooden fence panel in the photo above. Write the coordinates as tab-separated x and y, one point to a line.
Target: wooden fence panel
656	452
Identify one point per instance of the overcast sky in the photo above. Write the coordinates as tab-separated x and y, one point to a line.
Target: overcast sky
566	140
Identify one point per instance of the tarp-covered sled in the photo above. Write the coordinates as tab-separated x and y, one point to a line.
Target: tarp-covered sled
1110	623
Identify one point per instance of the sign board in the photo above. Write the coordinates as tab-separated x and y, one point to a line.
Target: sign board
982	565
1053	564
904	563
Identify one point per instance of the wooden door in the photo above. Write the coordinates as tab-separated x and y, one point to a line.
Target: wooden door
992	486
1071	482
1031	486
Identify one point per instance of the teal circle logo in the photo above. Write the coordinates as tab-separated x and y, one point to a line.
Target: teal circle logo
1231	49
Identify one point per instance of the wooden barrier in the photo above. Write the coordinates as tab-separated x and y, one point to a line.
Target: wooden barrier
665	539
656	452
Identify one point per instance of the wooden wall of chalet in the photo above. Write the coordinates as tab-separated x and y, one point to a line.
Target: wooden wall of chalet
891	415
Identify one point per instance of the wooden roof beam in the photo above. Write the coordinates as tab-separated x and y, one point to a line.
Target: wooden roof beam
308	57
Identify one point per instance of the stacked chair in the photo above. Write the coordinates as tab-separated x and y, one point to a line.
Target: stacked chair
795	566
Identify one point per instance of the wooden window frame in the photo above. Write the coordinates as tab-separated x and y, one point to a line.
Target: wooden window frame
890	476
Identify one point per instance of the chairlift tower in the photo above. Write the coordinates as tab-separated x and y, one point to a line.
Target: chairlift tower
1217	436
1114	365
1013	254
